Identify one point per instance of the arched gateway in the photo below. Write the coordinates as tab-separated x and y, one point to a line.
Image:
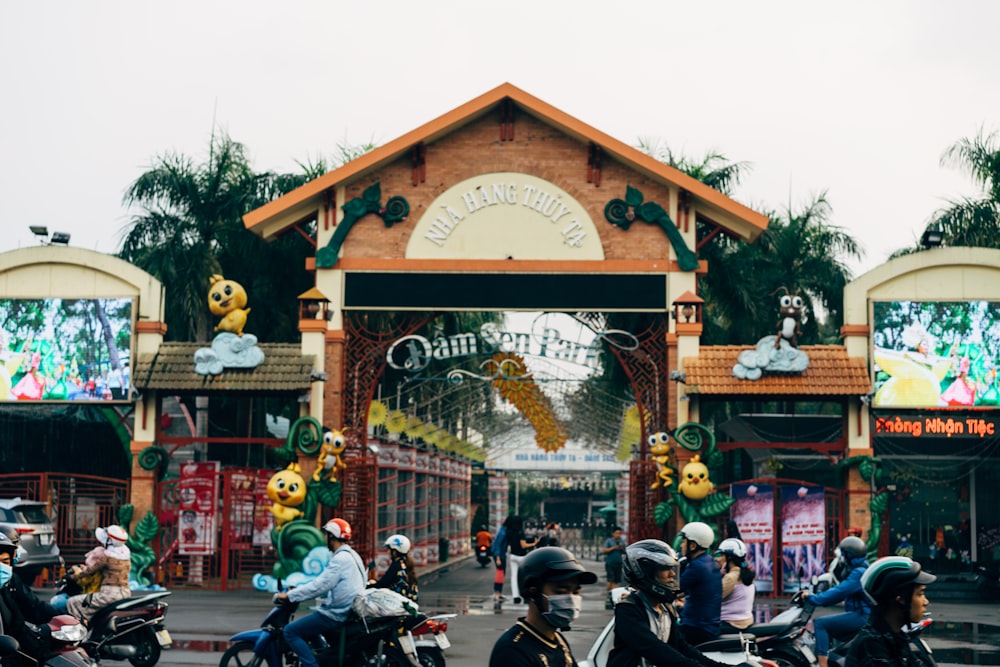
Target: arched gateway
505	203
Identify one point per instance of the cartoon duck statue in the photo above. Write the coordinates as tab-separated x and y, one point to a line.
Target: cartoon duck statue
227	299
695	484
287	490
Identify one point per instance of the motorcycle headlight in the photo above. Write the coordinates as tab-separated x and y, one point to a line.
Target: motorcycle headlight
70	633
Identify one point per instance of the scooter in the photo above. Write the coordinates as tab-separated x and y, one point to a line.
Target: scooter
430	640
483	556
131	629
64	633
370	643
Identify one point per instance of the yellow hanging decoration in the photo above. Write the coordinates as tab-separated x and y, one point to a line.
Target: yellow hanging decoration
377	413
395	422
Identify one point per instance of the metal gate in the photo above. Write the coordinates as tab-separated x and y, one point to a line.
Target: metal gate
77	504
236	543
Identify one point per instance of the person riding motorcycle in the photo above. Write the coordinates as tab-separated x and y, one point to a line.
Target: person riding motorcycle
550	579
340	582
856	607
20	608
402	573
113	565
896	585
646	625
738	592
701	582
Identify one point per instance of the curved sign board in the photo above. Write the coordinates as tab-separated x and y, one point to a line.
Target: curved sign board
505	215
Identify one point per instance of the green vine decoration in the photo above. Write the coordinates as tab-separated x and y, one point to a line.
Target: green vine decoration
155	458
623	212
395	210
693	437
870	469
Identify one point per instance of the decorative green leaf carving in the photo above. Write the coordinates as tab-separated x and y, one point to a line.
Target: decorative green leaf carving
715	504
154	458
663	512
395	210
623	212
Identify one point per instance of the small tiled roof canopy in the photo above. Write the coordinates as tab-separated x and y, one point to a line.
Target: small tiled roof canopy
284	370
830	373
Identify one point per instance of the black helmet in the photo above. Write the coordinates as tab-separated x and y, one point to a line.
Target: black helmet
643	560
551	564
853	547
891	576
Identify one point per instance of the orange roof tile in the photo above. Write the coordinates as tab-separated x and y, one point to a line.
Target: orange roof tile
754	222
830	373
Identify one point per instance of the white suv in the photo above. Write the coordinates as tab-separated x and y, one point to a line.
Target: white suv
29	520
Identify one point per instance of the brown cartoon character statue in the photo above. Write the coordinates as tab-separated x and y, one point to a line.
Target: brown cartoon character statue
790	308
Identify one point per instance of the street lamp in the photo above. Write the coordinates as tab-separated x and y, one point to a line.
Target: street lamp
42	233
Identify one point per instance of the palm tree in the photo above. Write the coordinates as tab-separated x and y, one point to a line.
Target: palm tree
973	221
187	213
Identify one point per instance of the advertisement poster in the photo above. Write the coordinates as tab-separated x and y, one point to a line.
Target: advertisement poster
753	513
199	499
803	526
241	502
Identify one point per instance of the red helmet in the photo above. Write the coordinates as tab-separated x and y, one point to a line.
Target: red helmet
338	529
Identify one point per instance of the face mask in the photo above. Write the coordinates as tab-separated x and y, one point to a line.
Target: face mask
5	573
563	610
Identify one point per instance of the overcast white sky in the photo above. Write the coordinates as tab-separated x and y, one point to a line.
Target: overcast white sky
857	98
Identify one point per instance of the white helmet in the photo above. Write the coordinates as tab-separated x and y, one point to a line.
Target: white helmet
399	543
112	533
699	533
732	547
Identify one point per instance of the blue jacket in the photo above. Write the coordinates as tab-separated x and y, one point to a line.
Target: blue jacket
701	582
849	590
342	580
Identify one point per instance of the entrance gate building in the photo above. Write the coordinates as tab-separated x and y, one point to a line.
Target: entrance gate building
503	204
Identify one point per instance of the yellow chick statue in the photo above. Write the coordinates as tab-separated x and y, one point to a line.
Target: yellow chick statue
227	299
695	484
287	490
659	448
329	460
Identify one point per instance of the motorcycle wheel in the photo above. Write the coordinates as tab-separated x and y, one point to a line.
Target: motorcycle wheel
147	649
430	656
786	658
241	654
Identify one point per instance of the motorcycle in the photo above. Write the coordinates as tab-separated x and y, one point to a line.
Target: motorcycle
483	556
430	640
377	642
65	633
131	629
734	650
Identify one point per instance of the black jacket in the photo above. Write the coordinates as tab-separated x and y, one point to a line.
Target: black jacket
634	639
878	646
18	605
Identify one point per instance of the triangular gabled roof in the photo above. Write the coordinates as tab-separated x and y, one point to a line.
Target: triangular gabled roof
276	216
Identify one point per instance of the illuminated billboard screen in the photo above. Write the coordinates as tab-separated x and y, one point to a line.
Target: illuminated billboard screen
65	349
936	354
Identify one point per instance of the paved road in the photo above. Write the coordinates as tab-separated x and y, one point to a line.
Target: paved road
201	621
